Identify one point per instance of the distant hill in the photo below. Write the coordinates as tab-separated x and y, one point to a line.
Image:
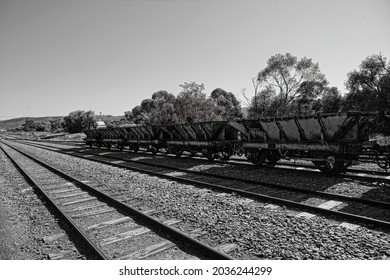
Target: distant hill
14	123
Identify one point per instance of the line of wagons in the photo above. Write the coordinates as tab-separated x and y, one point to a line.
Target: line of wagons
331	141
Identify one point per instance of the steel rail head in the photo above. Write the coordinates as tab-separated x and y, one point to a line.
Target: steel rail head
294	204
272	185
78	230
350	176
215	254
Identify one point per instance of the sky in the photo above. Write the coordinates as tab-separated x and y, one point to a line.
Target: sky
58	56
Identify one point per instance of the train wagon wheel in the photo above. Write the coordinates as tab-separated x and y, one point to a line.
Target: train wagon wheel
178	152
257	157
211	156
342	166
331	165
273	157
154	150
193	153
382	161
226	154
384	164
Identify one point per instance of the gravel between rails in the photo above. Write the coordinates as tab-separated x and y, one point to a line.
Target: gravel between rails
30	229
260	231
316	181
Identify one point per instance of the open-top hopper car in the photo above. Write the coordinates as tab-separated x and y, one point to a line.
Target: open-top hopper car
331	141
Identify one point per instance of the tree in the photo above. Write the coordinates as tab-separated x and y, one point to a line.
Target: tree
129	116
79	120
309	92
227	107
369	86
143	113
137	115
331	100
296	82
252	103
369	90
29	125
160	109
113	121
192	105
89	120
263	103
55	125
164	105
42	126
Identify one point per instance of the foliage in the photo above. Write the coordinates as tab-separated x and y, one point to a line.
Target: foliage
263	103
369	89
295	82
331	100
29	125
226	105
42	126
160	109
55	125
164	103
192	105
369	86
79	120
129	116
113	121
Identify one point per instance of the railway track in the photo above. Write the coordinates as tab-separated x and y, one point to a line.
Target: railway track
56	241
315	202
367	175
113	227
82	143
312	167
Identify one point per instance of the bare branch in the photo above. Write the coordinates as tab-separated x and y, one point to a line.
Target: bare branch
247	99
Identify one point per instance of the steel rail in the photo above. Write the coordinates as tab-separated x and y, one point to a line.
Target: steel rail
241	162
267	184
369	172
47	198
310	208
211	252
236	161
248	181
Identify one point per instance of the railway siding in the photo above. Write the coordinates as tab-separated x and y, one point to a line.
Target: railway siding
134	236
260	231
29	228
376	195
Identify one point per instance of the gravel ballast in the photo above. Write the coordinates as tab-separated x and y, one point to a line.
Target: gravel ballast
260	231
290	177
29	228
